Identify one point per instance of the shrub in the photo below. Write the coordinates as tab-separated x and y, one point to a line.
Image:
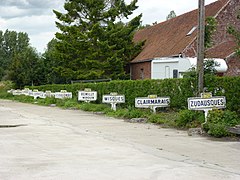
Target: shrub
188	118
178	89
94	107
129	113
219	121
7	85
70	103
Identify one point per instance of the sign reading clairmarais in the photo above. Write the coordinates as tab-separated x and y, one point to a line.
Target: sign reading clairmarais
197	103
146	102
152	101
87	95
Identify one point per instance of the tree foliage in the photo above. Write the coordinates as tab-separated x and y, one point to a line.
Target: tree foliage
210	29
236	33
51	62
171	15
93	42
26	68
19	62
11	43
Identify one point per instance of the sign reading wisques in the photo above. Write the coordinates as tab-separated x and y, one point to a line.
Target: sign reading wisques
113	99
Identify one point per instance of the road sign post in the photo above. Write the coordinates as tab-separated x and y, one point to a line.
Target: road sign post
63	94
206	103
87	95
113	99
152	102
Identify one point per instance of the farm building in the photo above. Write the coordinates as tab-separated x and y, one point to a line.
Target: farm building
175	40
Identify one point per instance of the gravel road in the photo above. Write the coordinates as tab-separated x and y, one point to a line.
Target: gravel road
49	143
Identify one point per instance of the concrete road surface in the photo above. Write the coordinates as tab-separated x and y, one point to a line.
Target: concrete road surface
49	143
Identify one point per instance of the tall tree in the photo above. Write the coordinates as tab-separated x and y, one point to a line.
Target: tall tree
11	43
51	62
93	43
26	68
171	15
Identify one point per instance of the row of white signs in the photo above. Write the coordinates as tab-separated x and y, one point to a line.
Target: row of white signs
40	94
194	103
152	101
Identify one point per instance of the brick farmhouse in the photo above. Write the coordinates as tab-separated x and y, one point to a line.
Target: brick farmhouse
177	37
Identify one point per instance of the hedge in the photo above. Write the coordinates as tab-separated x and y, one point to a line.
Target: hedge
177	89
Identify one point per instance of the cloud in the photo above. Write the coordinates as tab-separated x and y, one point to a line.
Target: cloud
20	8
31	24
35	17
41	40
25	4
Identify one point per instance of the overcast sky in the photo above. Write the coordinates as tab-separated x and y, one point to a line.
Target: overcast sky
35	17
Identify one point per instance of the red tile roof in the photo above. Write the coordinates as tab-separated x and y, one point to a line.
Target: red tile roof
222	50
170	38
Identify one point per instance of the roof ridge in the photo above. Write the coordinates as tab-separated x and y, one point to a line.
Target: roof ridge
170	36
222	7
214	17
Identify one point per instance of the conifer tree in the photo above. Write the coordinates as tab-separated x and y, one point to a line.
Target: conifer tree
93	42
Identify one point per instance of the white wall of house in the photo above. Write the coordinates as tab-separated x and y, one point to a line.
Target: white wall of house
175	67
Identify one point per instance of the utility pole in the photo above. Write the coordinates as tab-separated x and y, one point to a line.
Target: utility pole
200	48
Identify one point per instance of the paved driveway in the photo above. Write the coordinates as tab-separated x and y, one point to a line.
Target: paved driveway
52	143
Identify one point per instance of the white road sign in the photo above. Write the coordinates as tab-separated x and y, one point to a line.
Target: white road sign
113	99
197	103
87	95
63	95
146	102
17	92
37	94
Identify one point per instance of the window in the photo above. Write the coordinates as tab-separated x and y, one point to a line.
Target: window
192	30
167	72
142	74
175	73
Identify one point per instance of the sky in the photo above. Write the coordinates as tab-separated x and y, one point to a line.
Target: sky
36	17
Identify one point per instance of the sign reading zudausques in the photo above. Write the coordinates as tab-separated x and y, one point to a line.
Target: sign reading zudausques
206	103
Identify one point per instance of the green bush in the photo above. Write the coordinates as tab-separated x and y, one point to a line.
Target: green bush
179	90
4	86
94	107
129	113
50	100
7	85
189	119
166	118
70	103
24	99
219	121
